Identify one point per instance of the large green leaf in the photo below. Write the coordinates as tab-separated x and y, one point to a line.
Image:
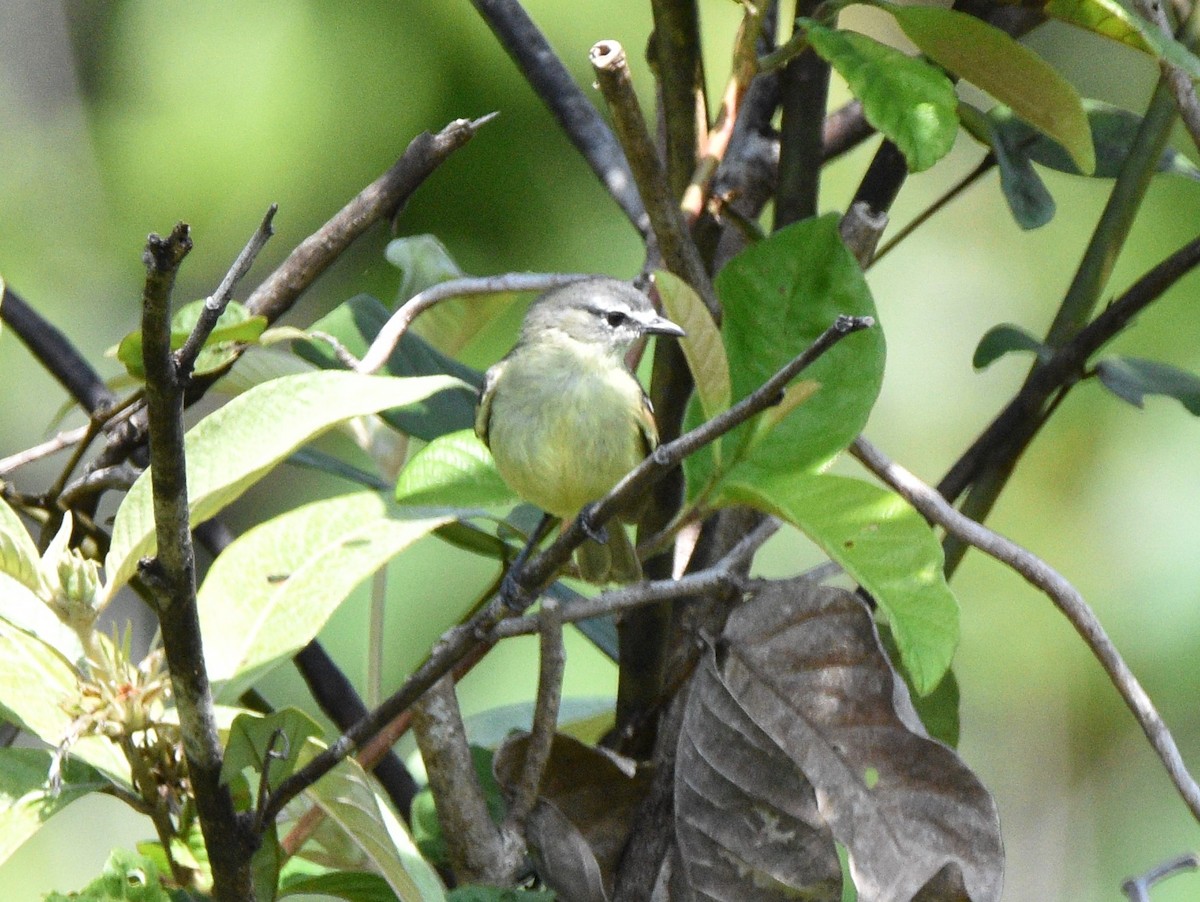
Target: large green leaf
26	798
886	546
236	325
778	296
34	682
268	594
455	470
1013	74
356	323
232	448
908	100
348	798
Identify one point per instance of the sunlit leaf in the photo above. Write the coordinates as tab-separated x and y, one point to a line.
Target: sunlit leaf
269	593
235	325
908	100
26	800
454	470
234	447
1013	74
19	557
886	546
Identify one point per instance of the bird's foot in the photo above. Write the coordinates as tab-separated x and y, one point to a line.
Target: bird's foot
595	533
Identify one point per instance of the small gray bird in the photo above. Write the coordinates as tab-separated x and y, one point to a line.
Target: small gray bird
564	417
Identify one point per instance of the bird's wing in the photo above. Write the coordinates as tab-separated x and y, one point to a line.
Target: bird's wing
645	421
483	412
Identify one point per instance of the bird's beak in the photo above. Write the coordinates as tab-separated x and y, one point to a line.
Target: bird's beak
660	325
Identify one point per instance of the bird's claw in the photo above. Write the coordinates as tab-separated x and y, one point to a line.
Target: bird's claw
595	533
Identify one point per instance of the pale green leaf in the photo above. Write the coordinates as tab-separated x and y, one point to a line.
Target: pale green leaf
29	613
1013	74
1005	339
234	447
19	556
26	800
34	682
454	470
886	546
701	346
908	100
268	594
349	800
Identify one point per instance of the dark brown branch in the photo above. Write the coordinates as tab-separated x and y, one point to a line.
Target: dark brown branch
380	200
171	576
462	640
1066	598
844	129
579	119
56	353
804	86
675	57
674	243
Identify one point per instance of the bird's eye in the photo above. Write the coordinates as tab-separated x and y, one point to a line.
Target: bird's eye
614	318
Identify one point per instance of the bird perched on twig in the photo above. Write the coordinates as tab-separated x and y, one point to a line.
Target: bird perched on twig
564	417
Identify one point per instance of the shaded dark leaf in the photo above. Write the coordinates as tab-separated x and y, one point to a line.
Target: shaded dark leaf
804	664
1005	339
1132	378
594	789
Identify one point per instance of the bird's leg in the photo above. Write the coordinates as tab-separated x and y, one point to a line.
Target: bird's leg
512	593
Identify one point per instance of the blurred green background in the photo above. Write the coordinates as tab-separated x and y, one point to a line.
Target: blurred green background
120	118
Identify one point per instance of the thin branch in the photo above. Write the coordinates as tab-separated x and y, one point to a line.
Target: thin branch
172	577
674	243
461	641
674	56
60	442
1065	597
378	201
805	88
215	303
55	352
1180	81
1138	888
579	119
545	714
393	330
844	129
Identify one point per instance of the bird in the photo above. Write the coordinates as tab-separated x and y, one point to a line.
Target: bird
564	417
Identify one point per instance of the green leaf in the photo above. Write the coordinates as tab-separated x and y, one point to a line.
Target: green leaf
355	324
1132	378
1028	198
34	682
127	877
19	557
454	470
885	546
1005	339
268	594
1113	133
778	296
938	709
701	346
346	796
236	325
352	886
1110	19
499	894
908	100
251	735
20	607
26	799
423	262
232	448
1010	72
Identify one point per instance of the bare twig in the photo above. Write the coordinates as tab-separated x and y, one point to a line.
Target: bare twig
1064	595
576	115
171	577
379	200
60	442
393	330
215	303
1138	888
545	714
461	641
845	128
674	243
1180	81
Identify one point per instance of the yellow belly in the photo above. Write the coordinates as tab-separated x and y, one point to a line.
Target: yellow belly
561	443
